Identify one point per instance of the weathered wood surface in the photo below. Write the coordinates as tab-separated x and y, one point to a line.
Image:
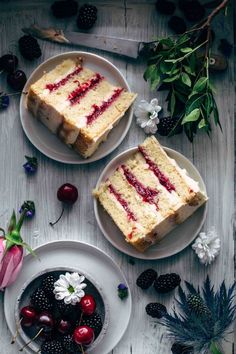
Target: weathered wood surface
213	157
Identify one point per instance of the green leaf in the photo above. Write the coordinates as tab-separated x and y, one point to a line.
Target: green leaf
192	62
216	116
167	42
186	79
193	103
181	97
155	82
172	103
171	61
149	71
202	123
183	39
188	70
186	50
165	67
29	249
171	79
200	85
192	117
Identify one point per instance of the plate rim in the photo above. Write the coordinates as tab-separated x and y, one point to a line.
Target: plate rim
90	159
127	252
103	253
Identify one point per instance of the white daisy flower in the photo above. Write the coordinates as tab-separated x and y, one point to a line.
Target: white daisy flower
69	287
207	246
147	115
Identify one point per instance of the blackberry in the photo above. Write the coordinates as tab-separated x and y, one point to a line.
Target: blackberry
146	278
8	62
197	305
94	321
52	347
87	16
178	348
64	8
177	24
156	310
40	301
167	282
48	285
29	47
64	309
68	343
192	10
167	124
165	7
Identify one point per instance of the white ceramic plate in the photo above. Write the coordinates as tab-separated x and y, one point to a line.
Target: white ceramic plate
73	254
176	240
48	143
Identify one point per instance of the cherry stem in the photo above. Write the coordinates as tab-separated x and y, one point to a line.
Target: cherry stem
82	349
17	331
35	337
54	223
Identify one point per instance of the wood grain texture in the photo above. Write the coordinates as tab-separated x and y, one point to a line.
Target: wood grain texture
213	157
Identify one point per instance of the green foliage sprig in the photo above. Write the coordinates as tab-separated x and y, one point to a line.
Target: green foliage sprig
178	65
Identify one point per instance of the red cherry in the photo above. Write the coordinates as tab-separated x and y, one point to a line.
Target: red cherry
83	335
8	62
17	80
64	326
45	321
88	305
28	313
67	193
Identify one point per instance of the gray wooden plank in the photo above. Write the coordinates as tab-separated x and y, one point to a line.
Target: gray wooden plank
213	158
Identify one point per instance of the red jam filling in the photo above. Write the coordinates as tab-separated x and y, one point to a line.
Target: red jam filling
122	202
164	181
76	95
98	110
131	234
148	194
62	82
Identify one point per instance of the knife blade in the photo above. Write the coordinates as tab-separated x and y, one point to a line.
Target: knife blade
122	46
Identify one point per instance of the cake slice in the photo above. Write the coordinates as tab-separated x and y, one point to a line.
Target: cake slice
149	195
78	104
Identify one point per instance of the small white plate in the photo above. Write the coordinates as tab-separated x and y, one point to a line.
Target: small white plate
176	240
48	143
90	260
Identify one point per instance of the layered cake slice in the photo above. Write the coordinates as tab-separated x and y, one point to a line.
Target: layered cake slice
78	104
149	195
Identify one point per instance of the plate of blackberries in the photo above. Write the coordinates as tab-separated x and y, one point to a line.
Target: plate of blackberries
61	311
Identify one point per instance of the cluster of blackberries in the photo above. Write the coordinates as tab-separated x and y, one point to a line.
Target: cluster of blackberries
87	15
162	284
193	11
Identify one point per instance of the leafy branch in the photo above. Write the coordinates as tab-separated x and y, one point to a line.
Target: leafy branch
179	66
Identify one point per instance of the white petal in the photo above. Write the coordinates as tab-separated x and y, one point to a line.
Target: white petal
153	115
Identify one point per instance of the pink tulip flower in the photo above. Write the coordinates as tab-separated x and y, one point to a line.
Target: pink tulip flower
10	263
12	248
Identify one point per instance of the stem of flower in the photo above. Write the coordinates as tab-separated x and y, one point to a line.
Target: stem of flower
54	223
215	349
21	220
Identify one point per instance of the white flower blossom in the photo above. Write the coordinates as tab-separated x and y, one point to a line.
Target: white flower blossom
147	115
207	246
69	287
